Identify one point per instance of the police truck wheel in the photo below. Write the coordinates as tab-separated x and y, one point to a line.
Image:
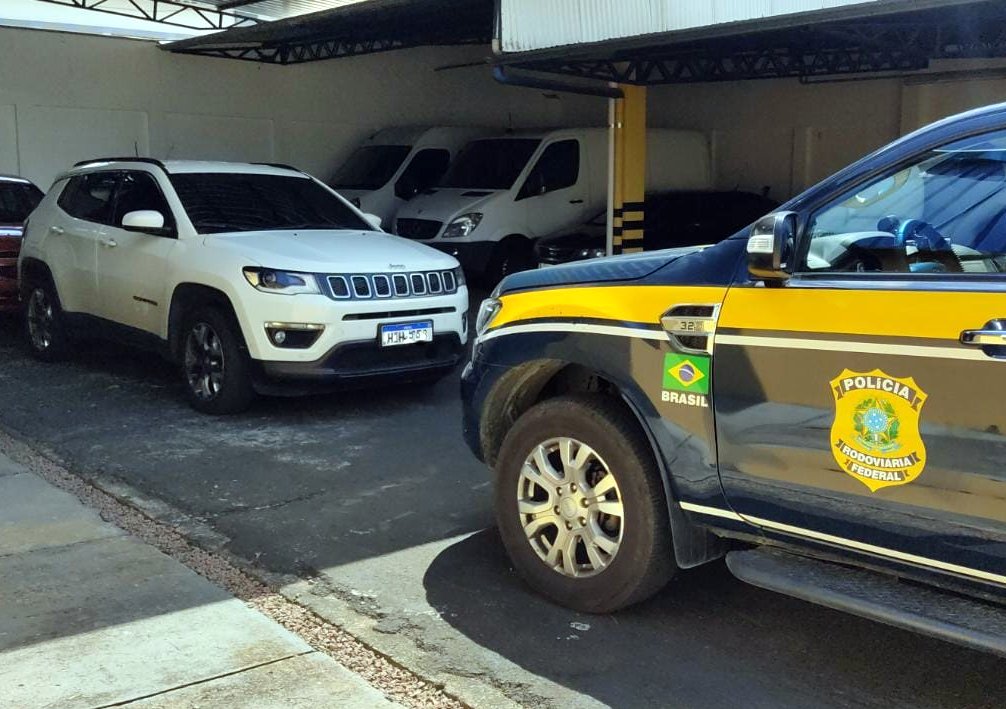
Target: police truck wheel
215	369
580	505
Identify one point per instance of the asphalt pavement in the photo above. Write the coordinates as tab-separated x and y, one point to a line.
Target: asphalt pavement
373	502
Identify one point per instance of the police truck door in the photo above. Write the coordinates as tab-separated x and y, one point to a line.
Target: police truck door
862	403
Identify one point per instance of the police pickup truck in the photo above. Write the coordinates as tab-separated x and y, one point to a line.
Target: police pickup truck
821	399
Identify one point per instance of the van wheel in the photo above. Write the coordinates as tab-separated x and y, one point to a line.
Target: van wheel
580	505
216	372
44	324
510	256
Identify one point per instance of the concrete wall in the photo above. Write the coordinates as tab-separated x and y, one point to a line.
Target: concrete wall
67	97
786	135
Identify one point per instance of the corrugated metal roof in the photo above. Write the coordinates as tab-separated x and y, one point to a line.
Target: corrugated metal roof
534	25
353	28
278	9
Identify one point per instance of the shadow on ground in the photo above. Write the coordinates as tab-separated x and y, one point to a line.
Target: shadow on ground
707	640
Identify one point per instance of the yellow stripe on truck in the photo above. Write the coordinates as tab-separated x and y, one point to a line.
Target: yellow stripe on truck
909	313
635	304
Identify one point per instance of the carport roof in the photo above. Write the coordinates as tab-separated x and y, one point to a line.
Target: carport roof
361	28
882	37
888	36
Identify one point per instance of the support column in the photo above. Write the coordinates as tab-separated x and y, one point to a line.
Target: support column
628	169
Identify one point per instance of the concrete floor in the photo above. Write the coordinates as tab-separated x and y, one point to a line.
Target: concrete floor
372	499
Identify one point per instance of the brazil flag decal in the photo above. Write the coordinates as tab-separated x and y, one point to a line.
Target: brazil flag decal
688	373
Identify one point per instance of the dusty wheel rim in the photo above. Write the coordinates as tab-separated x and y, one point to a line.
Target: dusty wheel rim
570	507
204	362
40	319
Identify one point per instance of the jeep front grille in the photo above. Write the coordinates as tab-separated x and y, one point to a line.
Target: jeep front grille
366	286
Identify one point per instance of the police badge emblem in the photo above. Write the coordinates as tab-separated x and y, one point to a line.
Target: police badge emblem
875	436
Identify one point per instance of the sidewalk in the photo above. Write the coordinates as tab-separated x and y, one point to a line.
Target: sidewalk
91	617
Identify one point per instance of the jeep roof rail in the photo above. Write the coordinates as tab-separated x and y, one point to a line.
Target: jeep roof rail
149	161
280	165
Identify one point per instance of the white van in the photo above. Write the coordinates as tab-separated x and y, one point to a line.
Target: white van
396	164
502	193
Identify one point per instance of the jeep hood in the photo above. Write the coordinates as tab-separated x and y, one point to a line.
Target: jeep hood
331	251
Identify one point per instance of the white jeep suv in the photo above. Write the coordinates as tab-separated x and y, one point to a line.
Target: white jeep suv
253	278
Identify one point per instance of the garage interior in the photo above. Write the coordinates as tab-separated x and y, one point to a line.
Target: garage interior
826	93
395	549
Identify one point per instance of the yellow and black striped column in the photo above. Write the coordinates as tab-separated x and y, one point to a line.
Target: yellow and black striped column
629	156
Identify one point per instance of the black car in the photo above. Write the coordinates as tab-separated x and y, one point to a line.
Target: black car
671	219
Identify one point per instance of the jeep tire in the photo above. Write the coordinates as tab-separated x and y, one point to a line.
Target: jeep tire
44	323
216	371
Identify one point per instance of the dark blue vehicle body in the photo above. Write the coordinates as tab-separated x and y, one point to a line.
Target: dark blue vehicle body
754	458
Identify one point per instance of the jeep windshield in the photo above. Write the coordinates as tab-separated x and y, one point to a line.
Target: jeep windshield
220	202
370	167
492	164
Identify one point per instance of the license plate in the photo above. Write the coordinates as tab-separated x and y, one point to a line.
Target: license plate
406	333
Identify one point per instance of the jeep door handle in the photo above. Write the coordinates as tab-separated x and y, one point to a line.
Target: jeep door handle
57	230
109	243
983	338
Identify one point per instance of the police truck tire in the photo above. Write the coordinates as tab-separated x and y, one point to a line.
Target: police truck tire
530	516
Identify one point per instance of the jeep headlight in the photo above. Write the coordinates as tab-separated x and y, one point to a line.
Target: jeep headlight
459	276
488	311
463	225
269	280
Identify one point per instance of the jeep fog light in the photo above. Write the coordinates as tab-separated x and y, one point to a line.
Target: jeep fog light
293	336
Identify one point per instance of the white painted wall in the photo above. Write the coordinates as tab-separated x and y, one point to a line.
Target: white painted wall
65	98
788	136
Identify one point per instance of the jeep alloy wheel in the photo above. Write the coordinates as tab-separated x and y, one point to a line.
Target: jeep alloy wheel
41	319
204	362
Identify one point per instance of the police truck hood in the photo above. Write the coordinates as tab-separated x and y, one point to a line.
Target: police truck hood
332	251
611	269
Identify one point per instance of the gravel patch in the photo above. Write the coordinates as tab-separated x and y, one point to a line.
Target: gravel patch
396	682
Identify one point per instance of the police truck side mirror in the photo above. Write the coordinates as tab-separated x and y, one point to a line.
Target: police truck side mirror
770	247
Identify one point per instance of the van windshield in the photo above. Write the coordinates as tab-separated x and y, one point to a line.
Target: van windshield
490	164
370	167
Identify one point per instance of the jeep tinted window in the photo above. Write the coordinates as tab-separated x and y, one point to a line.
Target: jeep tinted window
90	196
139	190
219	202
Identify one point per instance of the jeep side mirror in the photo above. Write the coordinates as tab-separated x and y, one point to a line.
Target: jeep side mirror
373	220
148	221
770	246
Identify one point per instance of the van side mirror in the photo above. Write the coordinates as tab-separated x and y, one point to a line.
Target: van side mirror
534	186
373	220
770	246
406	188
147	221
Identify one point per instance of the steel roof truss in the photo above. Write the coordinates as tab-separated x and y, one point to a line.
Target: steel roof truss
175	13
